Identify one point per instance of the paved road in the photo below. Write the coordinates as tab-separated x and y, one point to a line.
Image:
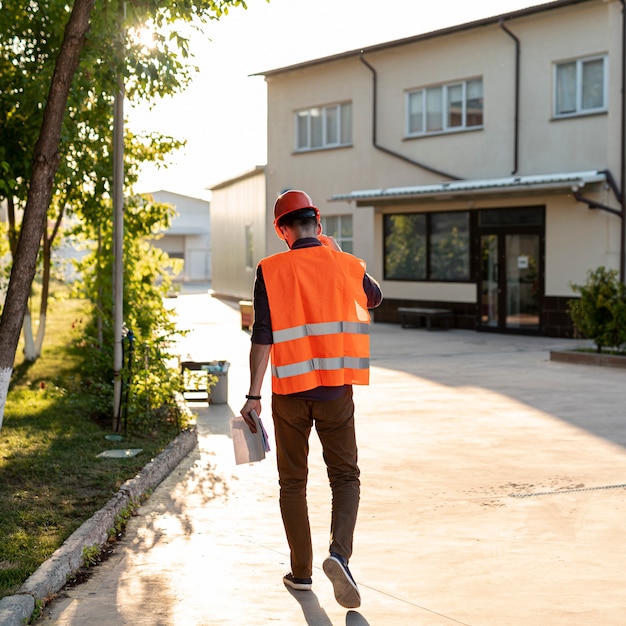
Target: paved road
493	495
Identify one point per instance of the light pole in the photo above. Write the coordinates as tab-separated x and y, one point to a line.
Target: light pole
118	244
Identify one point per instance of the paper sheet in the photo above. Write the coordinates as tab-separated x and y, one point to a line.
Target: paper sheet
249	447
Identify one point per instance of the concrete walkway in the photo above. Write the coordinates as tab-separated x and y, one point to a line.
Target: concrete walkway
493	493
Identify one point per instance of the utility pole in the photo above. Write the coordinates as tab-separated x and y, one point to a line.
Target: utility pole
118	247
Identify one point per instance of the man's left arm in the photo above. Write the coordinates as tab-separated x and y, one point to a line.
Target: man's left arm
372	291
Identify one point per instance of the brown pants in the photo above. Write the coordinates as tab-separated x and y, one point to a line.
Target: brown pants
334	423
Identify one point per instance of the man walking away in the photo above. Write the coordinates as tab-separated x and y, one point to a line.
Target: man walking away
311	316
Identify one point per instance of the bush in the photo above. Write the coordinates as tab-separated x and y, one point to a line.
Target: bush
600	312
152	384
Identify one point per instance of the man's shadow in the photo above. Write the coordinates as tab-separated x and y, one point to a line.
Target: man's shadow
315	615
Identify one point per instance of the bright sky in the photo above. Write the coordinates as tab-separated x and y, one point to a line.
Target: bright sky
222	115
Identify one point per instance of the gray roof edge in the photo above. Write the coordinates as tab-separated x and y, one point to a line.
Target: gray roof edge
258	169
532	181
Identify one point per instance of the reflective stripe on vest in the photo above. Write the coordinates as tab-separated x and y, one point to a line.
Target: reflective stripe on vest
332	363
322	328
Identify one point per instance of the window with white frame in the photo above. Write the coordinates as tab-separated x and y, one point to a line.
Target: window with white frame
340	228
324	127
580	86
445	108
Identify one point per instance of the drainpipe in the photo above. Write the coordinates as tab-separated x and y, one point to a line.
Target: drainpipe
517	93
612	183
592	204
375	125
622	269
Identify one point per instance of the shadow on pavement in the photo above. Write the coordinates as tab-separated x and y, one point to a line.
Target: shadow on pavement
314	614
354	618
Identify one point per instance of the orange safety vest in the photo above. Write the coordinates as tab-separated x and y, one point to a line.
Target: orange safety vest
320	321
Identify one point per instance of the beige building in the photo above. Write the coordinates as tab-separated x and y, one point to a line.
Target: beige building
189	236
238	227
478	169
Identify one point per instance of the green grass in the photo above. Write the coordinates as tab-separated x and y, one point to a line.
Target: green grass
609	351
51	480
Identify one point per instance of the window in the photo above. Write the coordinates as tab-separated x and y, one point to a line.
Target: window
324	127
449	246
405	246
580	86
427	246
445	108
340	227
523	216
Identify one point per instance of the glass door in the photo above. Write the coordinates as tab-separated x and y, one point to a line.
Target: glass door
490	285
511	281
522	281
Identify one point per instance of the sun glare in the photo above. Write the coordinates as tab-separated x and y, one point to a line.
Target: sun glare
143	37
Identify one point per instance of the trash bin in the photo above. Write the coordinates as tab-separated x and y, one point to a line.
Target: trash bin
245	308
199	391
218	394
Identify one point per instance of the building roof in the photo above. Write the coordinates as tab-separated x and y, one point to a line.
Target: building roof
573	181
258	169
186	198
496	19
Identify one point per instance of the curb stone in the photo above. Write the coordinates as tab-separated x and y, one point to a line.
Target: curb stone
52	575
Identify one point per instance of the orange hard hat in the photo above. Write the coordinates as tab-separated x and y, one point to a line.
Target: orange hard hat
290	201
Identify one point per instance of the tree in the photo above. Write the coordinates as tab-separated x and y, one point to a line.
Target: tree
107	57
45	163
149	382
32	33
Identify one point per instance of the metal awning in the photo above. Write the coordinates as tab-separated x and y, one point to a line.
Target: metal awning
573	181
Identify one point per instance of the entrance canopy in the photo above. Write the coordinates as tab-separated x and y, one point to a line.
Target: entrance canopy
573	182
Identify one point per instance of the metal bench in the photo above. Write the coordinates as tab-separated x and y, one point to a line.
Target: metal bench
427	314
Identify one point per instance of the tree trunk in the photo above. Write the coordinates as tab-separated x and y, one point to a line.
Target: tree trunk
29	341
45	291
46	272
11	218
45	163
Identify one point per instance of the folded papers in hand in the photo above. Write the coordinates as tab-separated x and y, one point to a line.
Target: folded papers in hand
249	447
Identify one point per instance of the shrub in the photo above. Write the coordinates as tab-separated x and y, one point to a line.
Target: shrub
151	381
600	312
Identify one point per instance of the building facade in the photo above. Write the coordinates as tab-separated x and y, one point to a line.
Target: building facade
478	168
238	225
189	236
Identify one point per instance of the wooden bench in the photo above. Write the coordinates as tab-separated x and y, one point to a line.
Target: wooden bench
427	314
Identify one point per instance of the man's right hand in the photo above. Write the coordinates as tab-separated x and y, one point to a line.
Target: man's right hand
251	405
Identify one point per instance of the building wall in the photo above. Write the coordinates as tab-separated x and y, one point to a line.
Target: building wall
237	208
189	237
546	145
577	238
580	239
